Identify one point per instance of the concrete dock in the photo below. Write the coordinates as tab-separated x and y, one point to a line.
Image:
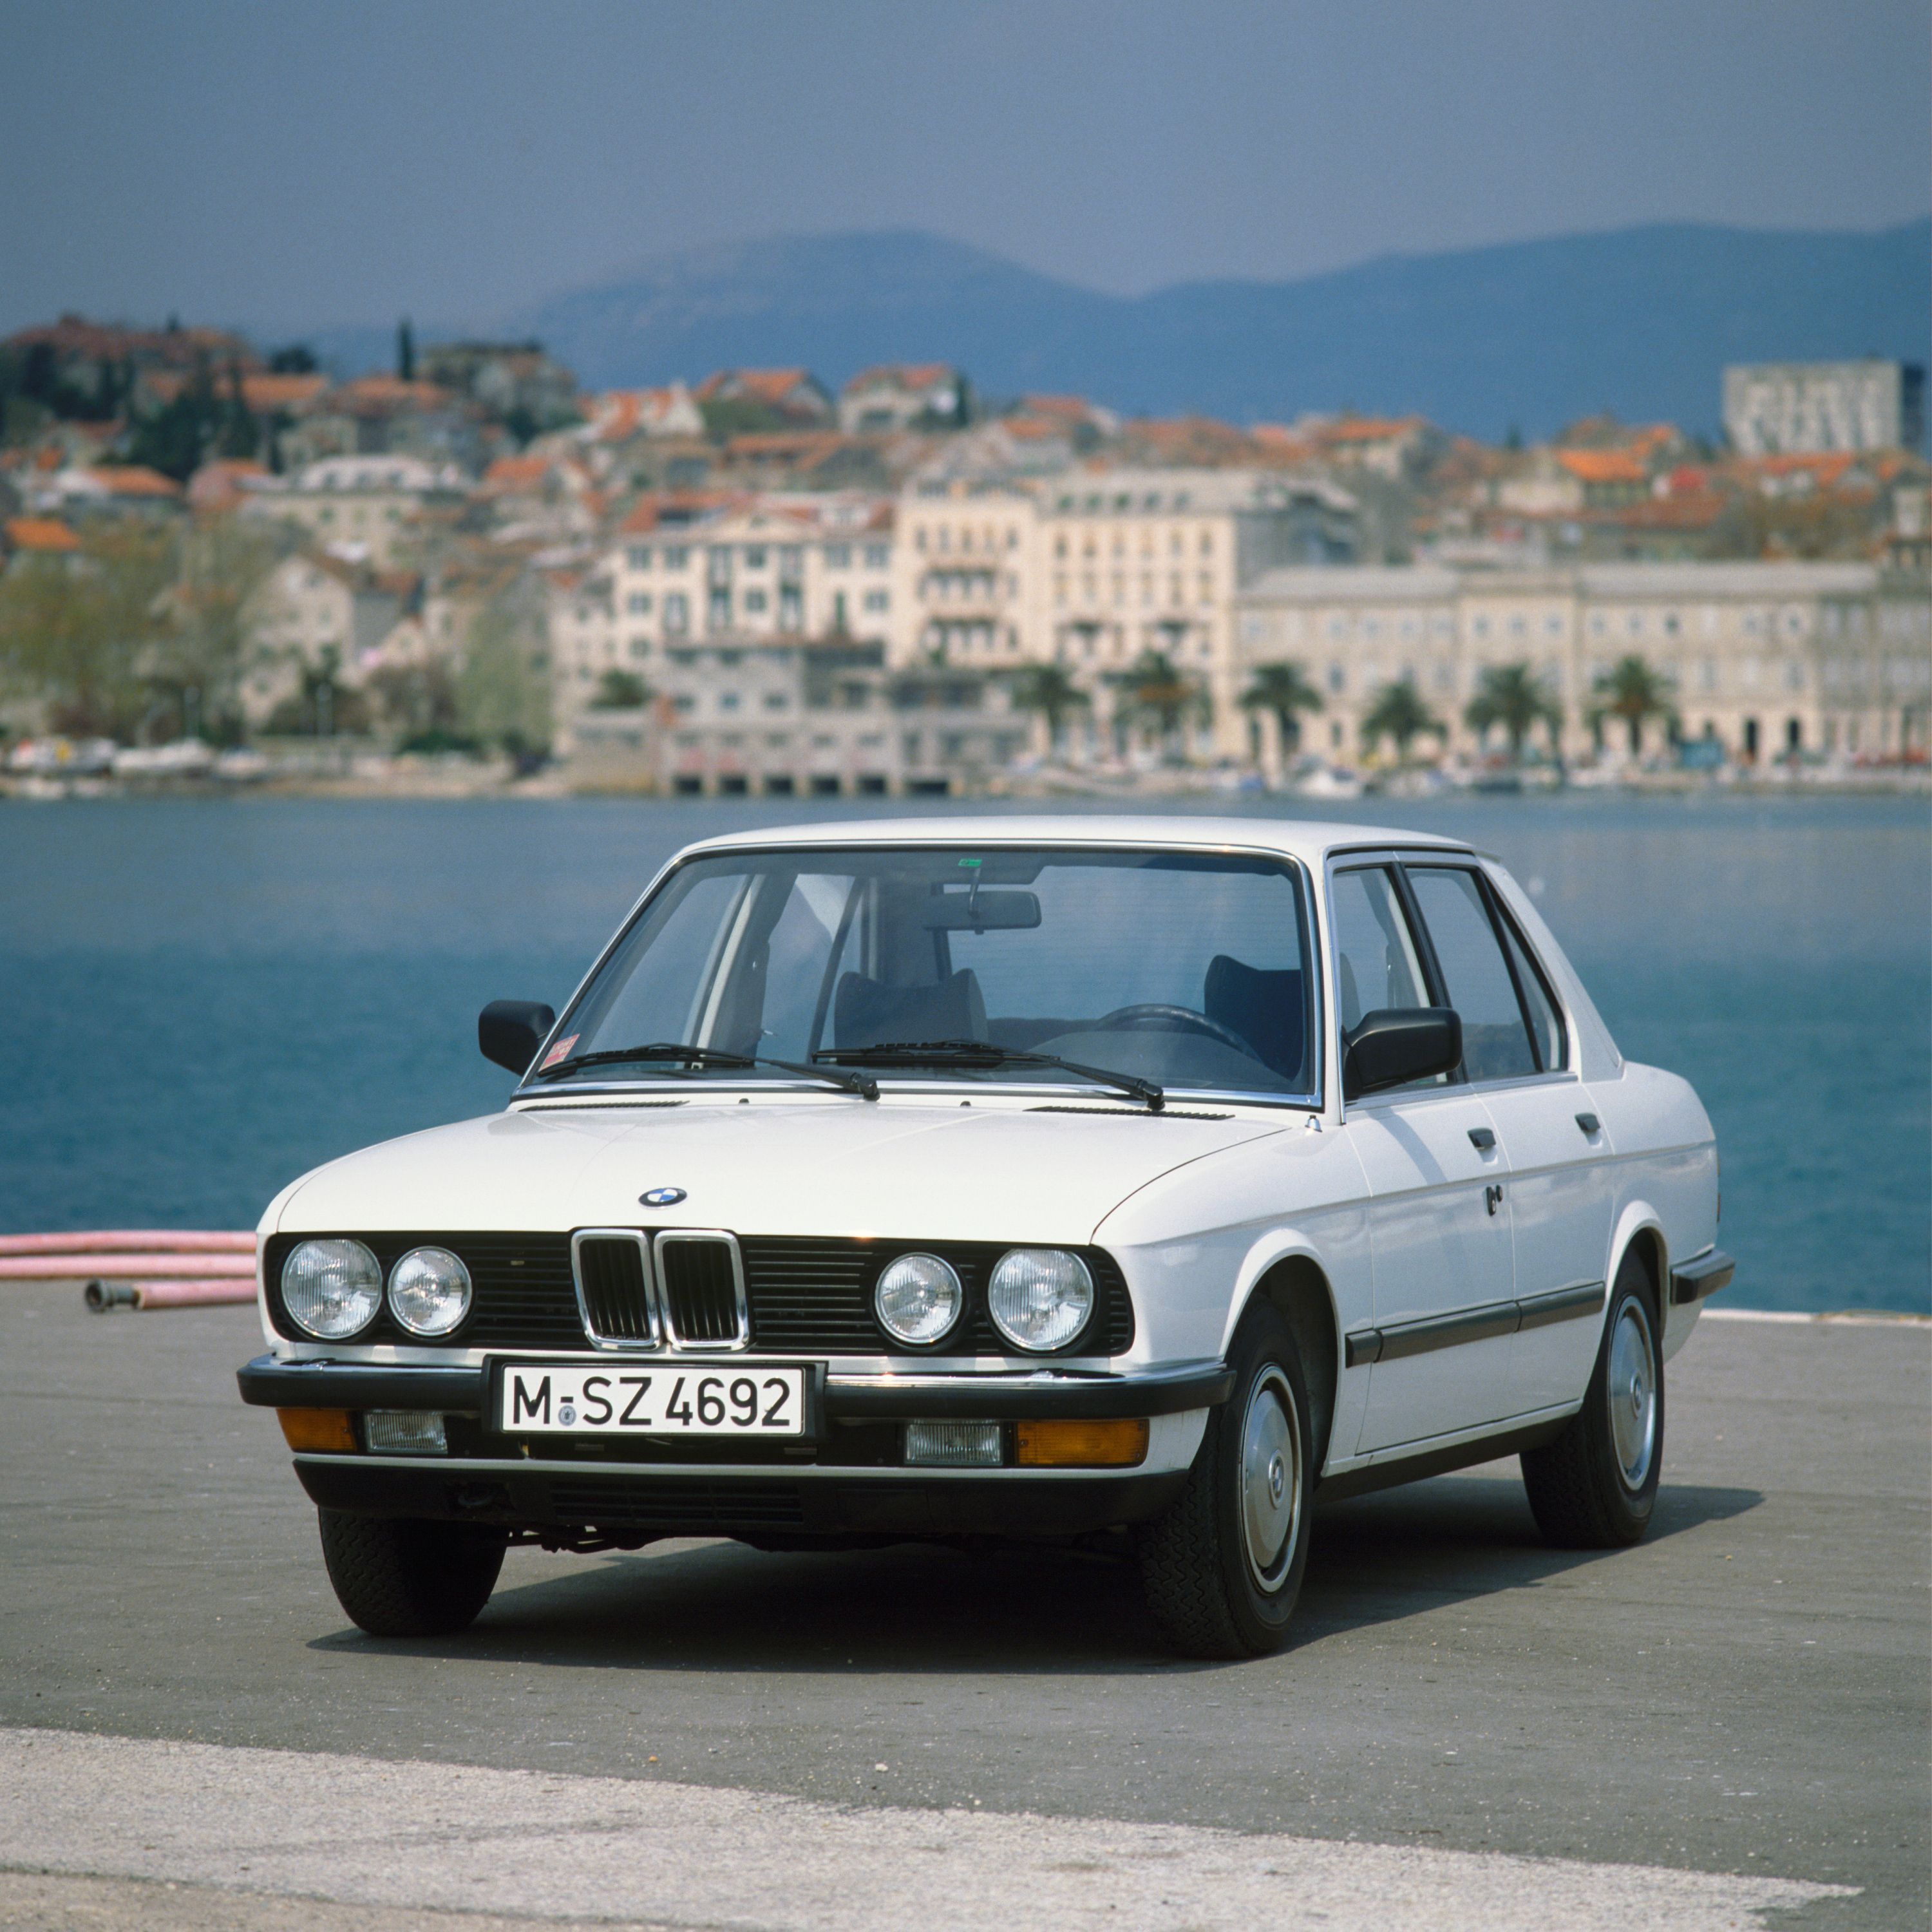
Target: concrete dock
1726	1726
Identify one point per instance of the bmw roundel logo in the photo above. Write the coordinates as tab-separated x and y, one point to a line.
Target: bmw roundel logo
661	1197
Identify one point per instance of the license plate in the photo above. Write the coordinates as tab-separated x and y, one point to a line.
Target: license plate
656	1400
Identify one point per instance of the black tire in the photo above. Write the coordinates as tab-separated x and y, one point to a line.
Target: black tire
399	1576
1588	1490
1212	1592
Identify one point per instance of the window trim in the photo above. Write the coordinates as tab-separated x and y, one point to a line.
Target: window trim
1490	900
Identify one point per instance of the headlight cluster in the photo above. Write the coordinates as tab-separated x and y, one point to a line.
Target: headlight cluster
1040	1298
333	1289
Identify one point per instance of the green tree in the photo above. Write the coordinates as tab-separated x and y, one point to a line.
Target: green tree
176	439
1283	690
502	689
1513	696
1048	692
405	351
1398	714
75	629
196	660
620	691
1632	691
241	434
1157	694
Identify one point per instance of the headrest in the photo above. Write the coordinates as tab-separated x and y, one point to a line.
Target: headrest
1264	1008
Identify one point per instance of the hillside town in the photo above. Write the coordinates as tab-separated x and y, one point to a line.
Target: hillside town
224	565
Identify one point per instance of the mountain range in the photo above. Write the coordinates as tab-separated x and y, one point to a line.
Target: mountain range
1523	336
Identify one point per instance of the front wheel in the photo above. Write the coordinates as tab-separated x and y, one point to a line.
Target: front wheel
1594	1487
1222	1566
403	1577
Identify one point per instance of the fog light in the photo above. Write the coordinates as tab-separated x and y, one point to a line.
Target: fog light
1081	1445
404	1432
954	1445
328	1430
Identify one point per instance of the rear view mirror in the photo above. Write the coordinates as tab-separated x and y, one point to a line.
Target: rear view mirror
510	1031
1395	1045
981	912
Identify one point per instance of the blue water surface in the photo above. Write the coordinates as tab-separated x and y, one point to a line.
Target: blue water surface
200	999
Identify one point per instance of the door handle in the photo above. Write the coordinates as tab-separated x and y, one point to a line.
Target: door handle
1493	1197
1482	1138
1589	1124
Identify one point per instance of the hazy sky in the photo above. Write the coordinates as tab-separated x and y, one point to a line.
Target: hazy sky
286	164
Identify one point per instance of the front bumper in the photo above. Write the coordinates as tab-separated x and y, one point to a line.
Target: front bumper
848	1479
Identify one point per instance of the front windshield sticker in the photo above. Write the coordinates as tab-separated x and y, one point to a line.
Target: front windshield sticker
561	1050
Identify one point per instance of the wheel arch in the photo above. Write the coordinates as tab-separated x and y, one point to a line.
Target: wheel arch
1639	1231
1295	1283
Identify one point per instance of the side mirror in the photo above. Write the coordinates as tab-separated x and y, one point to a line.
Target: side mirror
1399	1044
510	1031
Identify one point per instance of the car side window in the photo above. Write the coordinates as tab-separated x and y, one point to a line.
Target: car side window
1476	980
1546	1023
1375	961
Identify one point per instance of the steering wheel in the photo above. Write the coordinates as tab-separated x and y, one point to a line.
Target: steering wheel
1180	1019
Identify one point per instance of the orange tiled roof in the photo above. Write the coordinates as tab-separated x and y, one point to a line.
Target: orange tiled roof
1603	466
40	533
899	375
516	472
1366	429
771	386
132	479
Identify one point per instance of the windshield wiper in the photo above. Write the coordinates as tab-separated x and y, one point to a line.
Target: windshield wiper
668	1053
984	1053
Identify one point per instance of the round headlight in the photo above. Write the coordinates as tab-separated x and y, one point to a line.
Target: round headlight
1040	1298
429	1291
918	1298
331	1289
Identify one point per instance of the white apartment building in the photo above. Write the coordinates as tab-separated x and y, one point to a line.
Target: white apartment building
1792	409
1092	569
1764	658
747	569
363	507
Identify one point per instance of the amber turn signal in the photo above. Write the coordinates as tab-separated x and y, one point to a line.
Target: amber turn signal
1081	1445
327	1429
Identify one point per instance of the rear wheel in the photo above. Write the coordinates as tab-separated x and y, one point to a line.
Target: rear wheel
403	1577
1594	1487
1222	1566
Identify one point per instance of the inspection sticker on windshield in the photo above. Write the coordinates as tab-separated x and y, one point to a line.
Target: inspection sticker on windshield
560	1051
649	1399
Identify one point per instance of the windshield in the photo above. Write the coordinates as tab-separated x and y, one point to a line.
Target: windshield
1187	969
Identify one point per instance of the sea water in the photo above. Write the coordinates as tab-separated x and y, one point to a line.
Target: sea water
200	999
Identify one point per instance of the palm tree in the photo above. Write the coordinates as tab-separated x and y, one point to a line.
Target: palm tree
1282	689
1631	690
1513	696
1400	713
1155	689
1049	690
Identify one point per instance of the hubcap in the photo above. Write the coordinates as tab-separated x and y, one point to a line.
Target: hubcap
1633	1394
1270	1478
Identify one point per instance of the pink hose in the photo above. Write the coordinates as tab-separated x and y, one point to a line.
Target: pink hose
135	1240
102	1295
82	1267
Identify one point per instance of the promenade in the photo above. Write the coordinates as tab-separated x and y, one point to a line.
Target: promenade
1731	1719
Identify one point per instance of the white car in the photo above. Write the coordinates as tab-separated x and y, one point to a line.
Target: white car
1144	1181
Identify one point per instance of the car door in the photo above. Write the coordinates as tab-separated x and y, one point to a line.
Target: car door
1515	1058
1438	1225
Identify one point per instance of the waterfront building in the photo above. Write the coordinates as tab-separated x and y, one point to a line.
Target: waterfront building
1764	660
827	717
1096	568
1783	408
689	567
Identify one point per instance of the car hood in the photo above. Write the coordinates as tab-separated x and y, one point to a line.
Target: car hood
803	1166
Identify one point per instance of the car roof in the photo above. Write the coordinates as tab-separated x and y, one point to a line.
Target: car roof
1309	840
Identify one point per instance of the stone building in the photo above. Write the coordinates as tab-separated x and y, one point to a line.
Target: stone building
1763	659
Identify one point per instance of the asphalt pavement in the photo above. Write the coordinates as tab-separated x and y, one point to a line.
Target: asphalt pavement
1729	1720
